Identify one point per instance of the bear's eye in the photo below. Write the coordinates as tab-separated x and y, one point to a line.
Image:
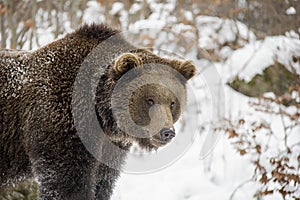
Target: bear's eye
150	102
172	104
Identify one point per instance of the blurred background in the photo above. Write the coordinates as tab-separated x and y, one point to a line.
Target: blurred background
254	47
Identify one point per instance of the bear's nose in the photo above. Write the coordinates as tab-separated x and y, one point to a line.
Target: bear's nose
167	134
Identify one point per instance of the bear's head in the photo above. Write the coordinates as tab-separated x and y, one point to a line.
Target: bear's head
149	96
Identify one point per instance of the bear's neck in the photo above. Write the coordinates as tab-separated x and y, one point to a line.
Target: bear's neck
105	114
65	60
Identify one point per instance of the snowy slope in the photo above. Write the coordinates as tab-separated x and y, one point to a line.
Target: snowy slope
255	57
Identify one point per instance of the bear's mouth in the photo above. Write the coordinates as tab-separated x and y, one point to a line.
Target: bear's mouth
151	143
157	143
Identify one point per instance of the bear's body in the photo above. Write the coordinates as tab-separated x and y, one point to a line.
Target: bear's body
37	133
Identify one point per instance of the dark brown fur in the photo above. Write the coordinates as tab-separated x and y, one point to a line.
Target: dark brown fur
37	133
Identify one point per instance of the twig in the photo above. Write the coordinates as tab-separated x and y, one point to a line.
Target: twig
284	130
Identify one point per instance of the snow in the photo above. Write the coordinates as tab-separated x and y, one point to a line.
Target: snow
117	7
291	11
255	57
214	31
147	24
185	179
93	13
188	15
135	8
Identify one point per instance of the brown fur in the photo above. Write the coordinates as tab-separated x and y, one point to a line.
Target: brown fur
37	133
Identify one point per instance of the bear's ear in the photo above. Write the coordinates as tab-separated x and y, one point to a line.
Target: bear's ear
126	62
186	68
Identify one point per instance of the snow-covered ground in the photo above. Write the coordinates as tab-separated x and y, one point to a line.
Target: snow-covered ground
188	179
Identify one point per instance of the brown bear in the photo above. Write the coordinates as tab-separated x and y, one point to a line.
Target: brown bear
39	134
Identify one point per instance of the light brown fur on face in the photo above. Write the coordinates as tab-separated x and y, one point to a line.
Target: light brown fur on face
154	104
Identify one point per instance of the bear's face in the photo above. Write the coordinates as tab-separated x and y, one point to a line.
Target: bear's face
153	107
156	105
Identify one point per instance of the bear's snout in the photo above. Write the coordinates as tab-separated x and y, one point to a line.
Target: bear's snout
167	134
